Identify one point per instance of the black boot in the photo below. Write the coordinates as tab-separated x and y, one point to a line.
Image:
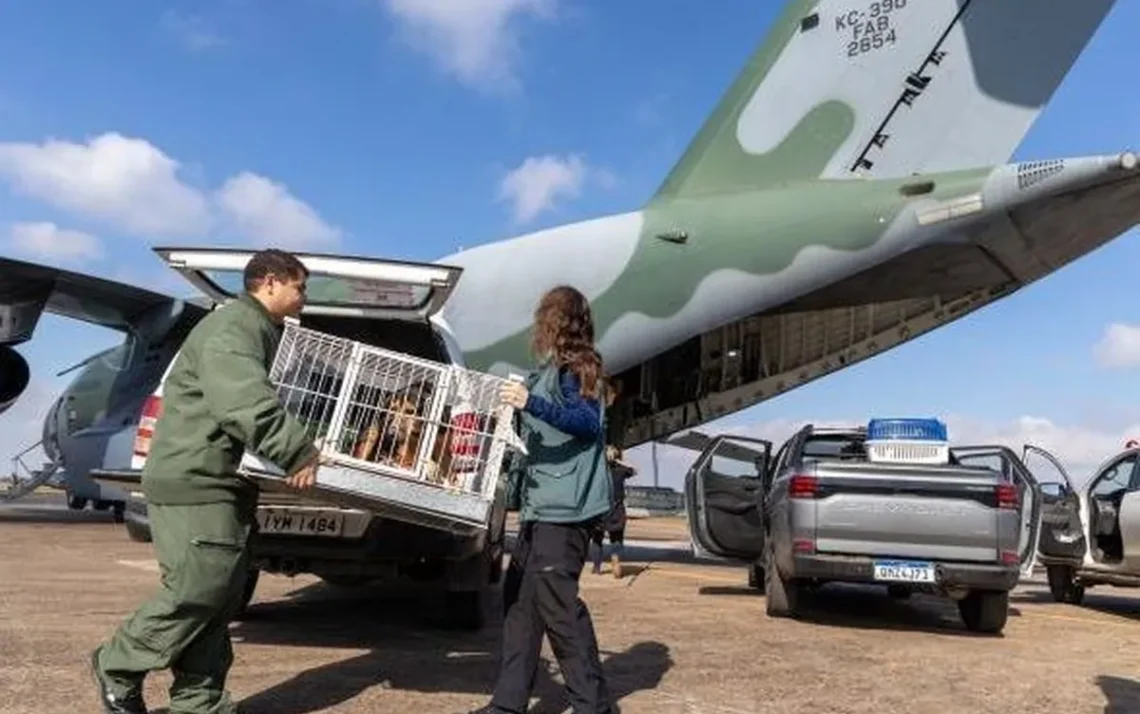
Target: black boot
131	704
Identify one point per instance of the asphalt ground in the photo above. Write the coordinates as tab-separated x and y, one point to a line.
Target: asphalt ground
676	636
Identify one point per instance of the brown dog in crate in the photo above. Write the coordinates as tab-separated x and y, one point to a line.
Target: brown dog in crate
395	433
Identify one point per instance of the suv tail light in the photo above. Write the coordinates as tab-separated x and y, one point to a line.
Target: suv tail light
1007	496
801	486
151	411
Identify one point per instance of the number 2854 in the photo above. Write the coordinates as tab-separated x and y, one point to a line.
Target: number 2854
869	42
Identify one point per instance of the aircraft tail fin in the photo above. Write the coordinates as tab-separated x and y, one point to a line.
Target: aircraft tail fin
884	89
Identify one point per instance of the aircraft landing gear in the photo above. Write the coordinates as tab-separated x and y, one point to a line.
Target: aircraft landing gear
118	511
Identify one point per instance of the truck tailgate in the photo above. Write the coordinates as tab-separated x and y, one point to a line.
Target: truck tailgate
931	512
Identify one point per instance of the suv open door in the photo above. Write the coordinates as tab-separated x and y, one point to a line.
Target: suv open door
724	493
1006	462
1062	533
337	285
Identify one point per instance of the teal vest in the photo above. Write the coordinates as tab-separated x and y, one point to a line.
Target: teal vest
563	478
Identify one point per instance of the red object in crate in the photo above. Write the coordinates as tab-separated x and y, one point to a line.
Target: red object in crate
466	426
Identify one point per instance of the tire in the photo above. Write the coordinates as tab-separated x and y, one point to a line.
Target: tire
138	532
1063	585
76	503
247	593
985	611
118	511
781	596
495	573
756	576
466	609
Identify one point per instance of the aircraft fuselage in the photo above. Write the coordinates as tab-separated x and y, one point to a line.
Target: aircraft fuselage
656	278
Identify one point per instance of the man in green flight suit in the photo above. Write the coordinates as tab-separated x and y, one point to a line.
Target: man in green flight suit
217	403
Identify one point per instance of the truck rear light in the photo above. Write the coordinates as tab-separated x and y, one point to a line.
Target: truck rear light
801	486
803	545
151	411
1007	496
1009	557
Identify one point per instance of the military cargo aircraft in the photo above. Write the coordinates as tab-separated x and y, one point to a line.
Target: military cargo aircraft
849	193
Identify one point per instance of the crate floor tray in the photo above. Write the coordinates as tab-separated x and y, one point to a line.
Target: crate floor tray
390	496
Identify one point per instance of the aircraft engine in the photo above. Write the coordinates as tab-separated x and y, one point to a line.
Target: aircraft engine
14	377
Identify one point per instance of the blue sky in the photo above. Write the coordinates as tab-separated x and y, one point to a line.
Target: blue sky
390	127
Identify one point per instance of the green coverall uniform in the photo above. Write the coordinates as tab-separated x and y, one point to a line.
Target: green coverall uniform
217	403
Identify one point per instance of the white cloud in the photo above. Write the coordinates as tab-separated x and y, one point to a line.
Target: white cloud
191	31
266	213
1119	347
540	182
43	240
122	181
476	41
131	185
1079	448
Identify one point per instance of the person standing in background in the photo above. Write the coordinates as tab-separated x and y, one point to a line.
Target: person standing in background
613	524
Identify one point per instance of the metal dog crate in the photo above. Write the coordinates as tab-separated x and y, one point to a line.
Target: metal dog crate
409	438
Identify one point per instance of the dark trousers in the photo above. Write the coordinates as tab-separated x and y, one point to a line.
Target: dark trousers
540	595
617	540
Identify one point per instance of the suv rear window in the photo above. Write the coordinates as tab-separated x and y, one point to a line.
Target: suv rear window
339	291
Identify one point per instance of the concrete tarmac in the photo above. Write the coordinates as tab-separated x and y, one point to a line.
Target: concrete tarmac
676	636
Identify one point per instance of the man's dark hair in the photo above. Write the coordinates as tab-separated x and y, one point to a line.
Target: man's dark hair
273	262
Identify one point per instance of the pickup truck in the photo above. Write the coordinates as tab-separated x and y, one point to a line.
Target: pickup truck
821	511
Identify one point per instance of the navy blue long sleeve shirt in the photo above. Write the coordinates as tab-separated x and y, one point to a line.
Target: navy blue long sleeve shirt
578	417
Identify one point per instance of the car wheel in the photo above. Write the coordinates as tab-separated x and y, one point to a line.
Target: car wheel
138	532
247	593
1063	585
782	596
756	576
985	611
345	581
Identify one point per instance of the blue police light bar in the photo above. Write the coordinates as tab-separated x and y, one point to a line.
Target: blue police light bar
909	429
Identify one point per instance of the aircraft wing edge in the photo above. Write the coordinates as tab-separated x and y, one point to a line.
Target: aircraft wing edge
29	289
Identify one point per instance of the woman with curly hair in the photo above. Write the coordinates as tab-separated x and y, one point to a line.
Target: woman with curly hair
563	491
